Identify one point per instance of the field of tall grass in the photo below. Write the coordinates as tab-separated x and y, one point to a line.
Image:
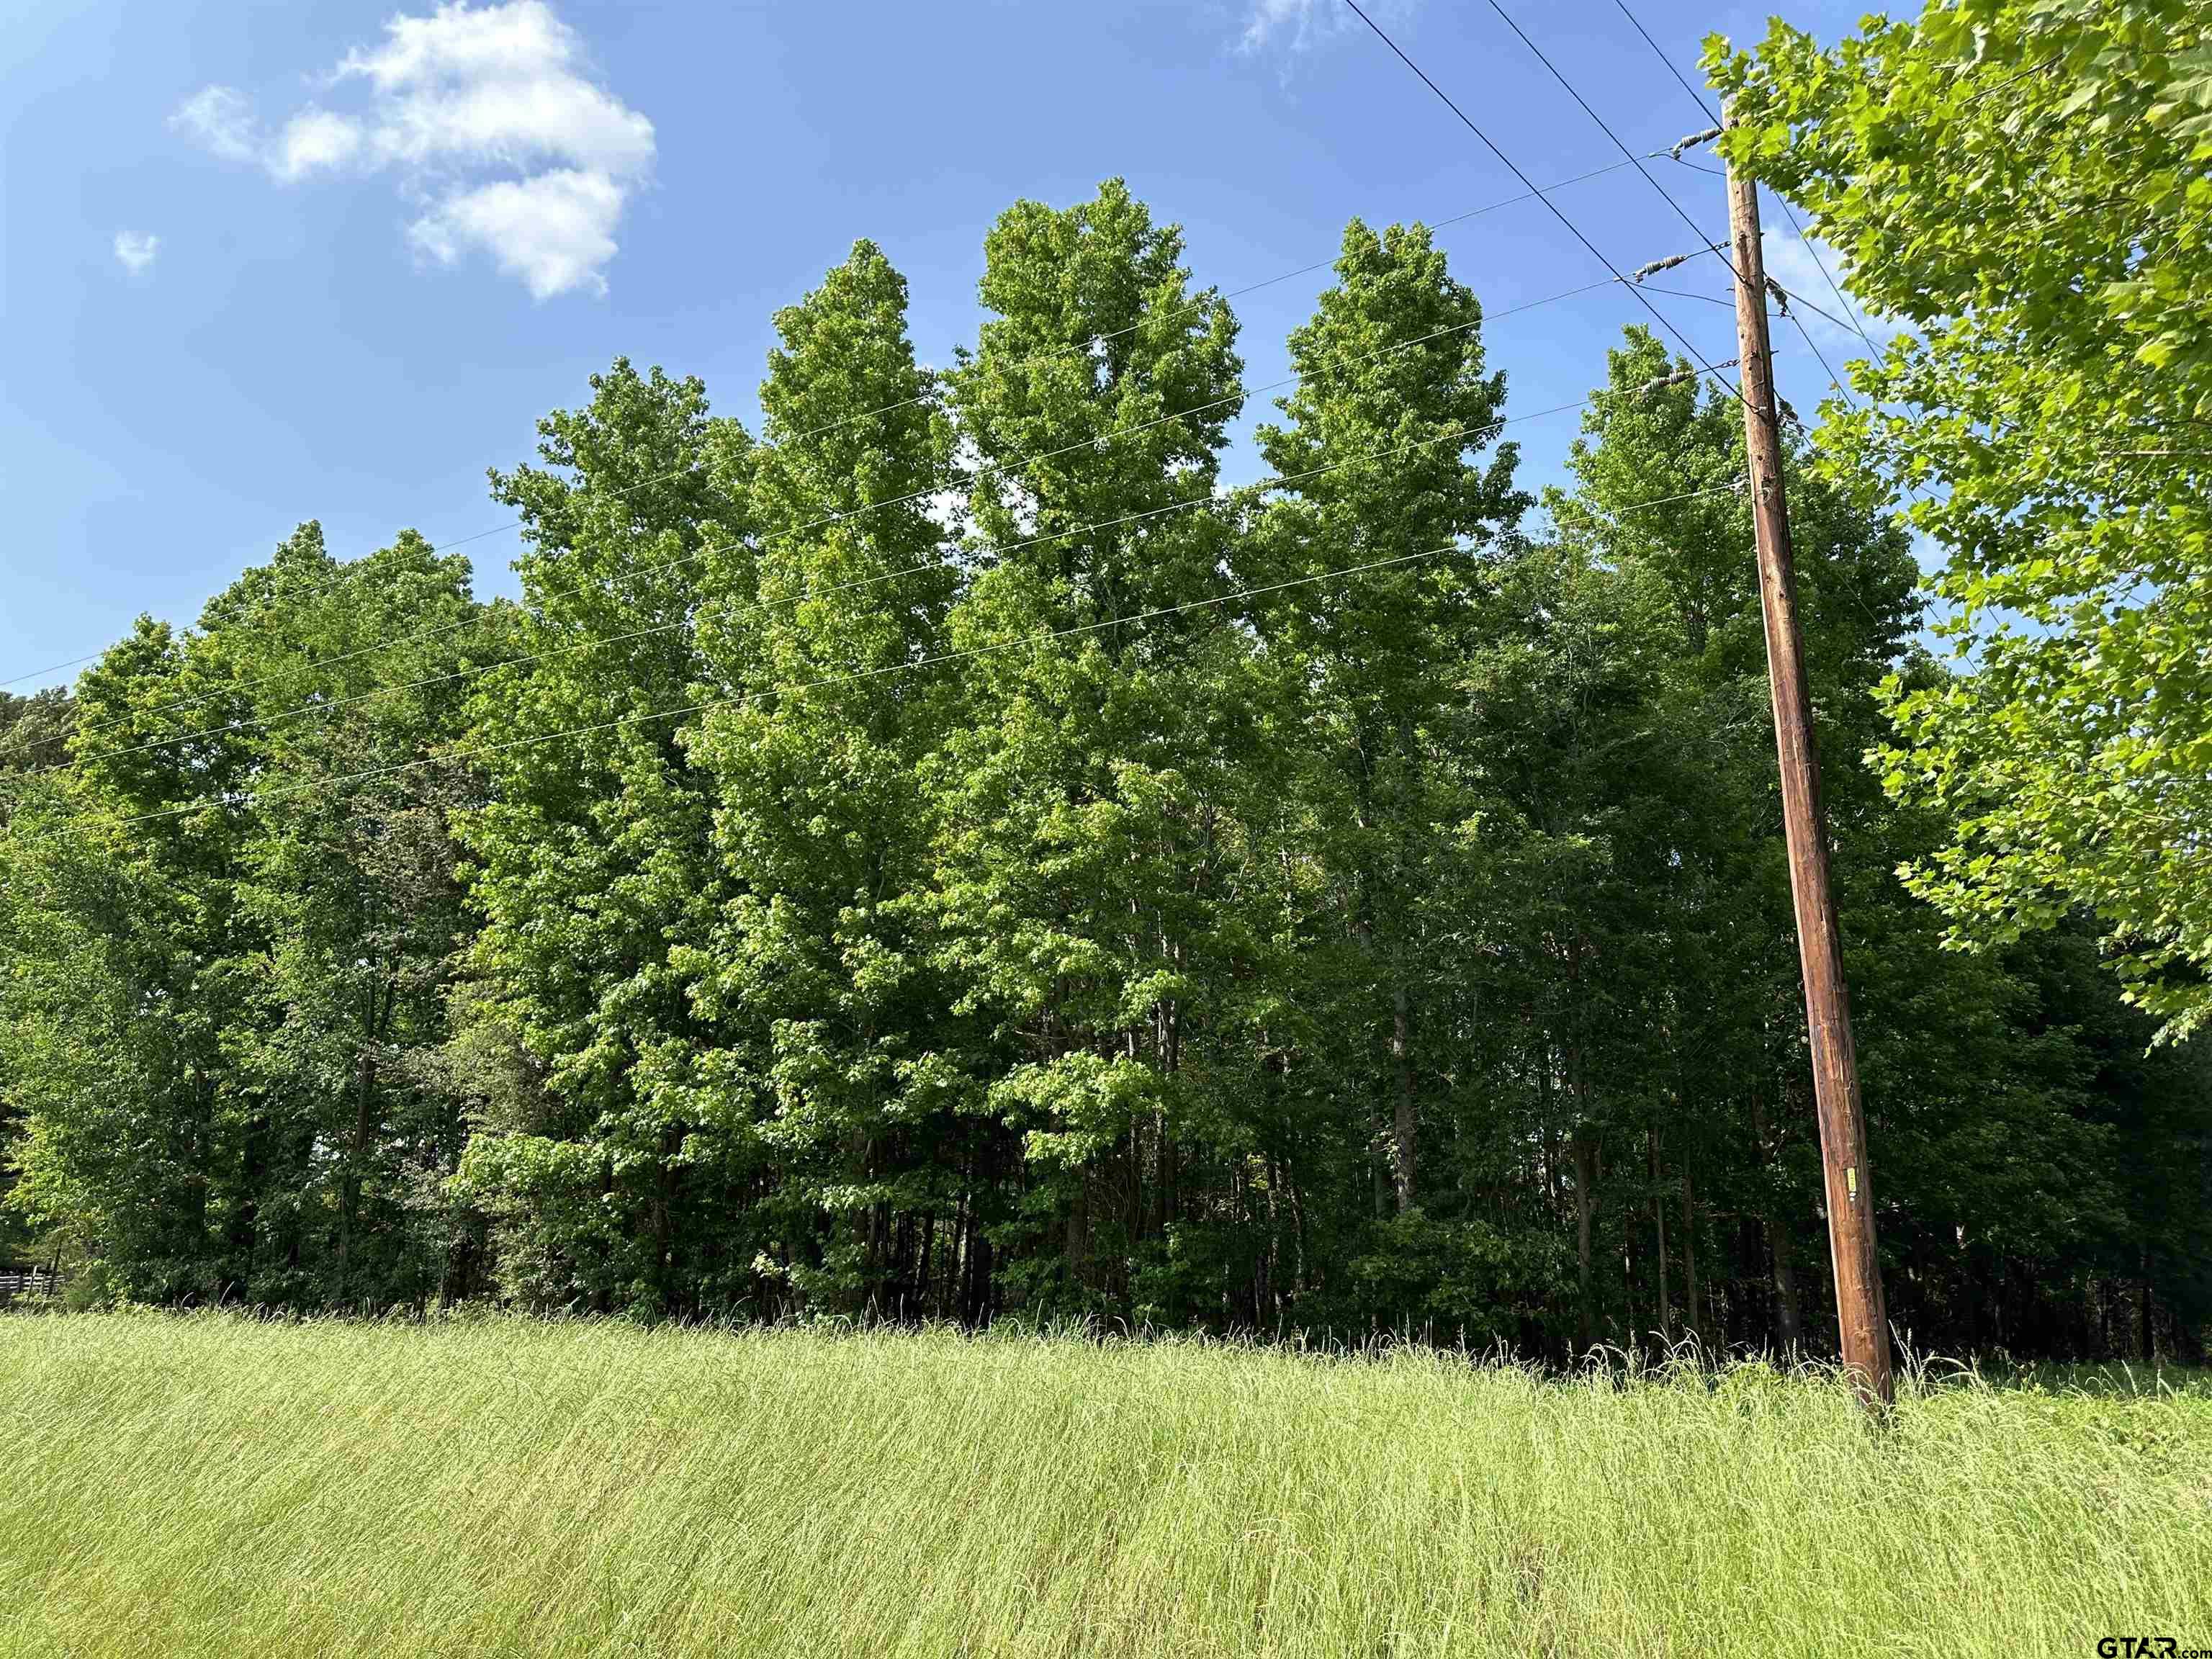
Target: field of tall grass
212	1485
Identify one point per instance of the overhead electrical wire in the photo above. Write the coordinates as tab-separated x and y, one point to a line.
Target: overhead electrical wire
1706	107
1200	303
1851	317
1557	211
726	611
327	706
1531	191
1606	127
999	468
254	797
1835	379
1197	304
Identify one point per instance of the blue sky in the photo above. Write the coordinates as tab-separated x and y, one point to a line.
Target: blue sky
274	262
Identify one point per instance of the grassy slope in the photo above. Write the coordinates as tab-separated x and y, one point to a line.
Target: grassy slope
206	1484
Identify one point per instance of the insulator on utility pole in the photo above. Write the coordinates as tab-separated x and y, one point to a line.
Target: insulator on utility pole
1692	142
1680	377
1860	1316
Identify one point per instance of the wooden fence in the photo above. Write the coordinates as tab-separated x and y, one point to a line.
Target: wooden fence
35	1286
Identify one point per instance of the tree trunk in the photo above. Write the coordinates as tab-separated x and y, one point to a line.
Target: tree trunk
1585	1149
1659	1221
1780	1244
356	1153
975	1294
1629	1235
924	1285
1402	1062
1691	1321
2143	1312
1079	1231
246	1220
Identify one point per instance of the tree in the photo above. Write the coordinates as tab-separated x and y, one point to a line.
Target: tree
1085	791
1393	403
32	729
829	1035
590	860
2022	184
951	858
245	943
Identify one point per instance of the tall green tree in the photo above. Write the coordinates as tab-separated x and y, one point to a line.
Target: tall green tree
255	931
1085	793
591	861
1393	405
2024	185
829	1027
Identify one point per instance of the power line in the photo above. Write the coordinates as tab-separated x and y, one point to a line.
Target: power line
1705	107
1557	211
1806	335
1197	304
1671	68
1605	127
256	797
1834	379
1812	247
330	706
873	507
1204	299
345	572
1466	434
1685	294
54	668
999	467
1637	24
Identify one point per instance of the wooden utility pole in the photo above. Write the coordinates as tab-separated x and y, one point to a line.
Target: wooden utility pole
1859	1312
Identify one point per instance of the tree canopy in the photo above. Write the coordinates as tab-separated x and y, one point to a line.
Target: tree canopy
2028	190
945	855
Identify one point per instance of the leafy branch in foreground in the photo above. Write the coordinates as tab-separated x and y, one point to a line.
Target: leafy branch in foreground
2026	185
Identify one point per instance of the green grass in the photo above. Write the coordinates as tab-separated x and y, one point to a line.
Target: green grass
209	1485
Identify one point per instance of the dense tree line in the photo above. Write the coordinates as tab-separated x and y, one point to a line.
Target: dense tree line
994	869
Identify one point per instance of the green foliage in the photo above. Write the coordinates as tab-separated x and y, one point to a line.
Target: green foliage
987	869
217	1036
2026	185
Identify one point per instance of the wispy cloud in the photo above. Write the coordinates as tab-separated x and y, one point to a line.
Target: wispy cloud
1292	25
135	249
1295	26
489	122
315	141
220	121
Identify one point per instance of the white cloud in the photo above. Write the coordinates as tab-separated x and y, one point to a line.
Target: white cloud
485	114
1293	22
135	250
315	140
554	231
496	88
222	120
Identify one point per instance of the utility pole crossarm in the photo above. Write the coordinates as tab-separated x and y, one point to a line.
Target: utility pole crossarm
1863	1322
